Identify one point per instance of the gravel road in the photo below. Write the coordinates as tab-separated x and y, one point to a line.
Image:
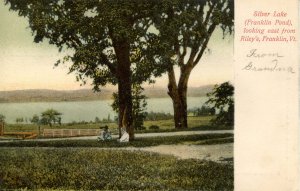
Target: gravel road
139	135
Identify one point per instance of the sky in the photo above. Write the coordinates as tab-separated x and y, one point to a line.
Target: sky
28	65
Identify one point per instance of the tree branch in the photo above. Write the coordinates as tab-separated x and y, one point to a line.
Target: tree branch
208	14
181	56
172	87
105	60
204	45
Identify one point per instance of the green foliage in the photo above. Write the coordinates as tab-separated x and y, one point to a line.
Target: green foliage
90	169
107	120
2	118
203	111
98	33
190	24
35	119
154	116
19	120
139	106
50	117
154	127
221	98
97	120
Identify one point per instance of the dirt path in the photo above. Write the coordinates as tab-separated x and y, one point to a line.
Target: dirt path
140	135
217	153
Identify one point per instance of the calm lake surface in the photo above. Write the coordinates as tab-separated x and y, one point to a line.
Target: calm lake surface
84	110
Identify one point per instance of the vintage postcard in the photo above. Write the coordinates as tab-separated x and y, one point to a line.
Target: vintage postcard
149	95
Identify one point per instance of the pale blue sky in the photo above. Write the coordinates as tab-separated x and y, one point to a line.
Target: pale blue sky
27	65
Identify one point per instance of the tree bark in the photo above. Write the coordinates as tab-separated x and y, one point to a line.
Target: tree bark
124	88
178	94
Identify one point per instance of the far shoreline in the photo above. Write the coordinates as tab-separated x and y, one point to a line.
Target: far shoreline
79	100
46	95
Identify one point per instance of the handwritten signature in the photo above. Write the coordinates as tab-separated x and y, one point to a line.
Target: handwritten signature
255	54
271	68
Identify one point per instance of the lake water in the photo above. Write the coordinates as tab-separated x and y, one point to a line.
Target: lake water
84	110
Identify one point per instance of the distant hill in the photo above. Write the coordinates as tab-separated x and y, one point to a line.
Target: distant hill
192	91
45	95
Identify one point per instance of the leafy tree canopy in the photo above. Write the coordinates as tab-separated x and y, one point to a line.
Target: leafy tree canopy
221	98
50	116
2	118
188	25
94	31
35	119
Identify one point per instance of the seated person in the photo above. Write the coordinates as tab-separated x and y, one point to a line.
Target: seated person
105	134
125	136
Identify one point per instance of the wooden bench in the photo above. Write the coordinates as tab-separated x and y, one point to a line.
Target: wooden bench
70	132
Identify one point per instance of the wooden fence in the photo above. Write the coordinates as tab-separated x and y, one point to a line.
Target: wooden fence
70	132
22	135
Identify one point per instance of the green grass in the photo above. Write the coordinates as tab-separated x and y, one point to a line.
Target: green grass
92	169
212	141
138	142
169	123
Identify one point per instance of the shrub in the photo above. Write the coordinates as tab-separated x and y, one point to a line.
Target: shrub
154	127
154	116
203	111
141	128
221	99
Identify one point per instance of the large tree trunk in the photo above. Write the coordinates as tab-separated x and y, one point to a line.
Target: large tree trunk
180	114
124	89
178	94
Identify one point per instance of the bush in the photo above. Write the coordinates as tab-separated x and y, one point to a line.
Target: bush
221	99
155	116
203	111
153	127
141	128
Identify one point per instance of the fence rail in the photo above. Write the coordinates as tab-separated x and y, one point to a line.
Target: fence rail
70	132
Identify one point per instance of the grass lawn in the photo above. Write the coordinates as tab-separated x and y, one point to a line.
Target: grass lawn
94	169
80	164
